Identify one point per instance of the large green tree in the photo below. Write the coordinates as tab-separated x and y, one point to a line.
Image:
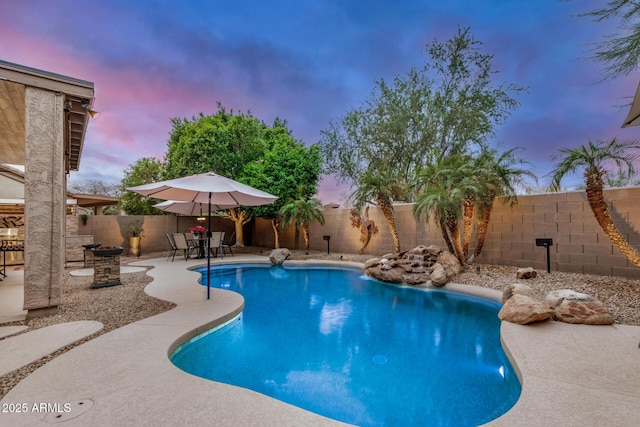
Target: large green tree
145	171
287	165
449	107
224	143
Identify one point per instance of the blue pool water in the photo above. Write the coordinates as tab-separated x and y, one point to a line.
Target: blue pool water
353	349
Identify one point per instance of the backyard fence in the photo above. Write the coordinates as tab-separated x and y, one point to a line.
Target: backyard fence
579	244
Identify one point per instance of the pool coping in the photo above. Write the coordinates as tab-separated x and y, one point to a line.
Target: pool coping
570	374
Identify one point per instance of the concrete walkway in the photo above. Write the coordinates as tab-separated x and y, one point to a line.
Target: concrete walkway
26	348
572	375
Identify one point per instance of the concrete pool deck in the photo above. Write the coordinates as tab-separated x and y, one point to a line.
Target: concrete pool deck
571	374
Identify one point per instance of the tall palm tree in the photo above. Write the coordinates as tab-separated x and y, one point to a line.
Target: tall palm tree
302	211
594	157
504	174
381	189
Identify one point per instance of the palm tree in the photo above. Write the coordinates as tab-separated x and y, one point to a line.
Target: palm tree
504	175
381	189
443	188
594	157
302	211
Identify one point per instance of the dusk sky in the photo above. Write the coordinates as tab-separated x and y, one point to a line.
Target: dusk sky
308	63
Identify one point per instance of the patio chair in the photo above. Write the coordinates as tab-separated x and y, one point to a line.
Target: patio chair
183	245
172	247
215	242
228	244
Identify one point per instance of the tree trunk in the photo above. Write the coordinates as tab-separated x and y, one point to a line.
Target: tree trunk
275	224
240	217
454	234
305	233
483	224
595	196
467	230
445	236
387	211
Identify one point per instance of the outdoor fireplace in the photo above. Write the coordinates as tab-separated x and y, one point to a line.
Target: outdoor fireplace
106	267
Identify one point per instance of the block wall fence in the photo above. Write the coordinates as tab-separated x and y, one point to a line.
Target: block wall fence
579	244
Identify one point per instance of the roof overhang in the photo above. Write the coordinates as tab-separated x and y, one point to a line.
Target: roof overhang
78	102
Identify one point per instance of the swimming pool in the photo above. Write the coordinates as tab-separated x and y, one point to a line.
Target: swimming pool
339	344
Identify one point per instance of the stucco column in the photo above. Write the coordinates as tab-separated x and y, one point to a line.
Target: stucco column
44	208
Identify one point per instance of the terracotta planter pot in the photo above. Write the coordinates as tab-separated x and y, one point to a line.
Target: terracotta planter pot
134	246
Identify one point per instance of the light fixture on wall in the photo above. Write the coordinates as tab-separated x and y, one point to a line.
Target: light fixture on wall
200	219
87	106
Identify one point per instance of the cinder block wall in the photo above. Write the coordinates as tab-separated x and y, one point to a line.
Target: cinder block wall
579	244
111	230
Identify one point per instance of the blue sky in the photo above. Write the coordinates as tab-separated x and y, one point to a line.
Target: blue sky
309	64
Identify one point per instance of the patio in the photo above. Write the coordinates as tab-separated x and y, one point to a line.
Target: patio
571	374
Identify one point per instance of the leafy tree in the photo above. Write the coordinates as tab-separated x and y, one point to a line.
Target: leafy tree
145	171
98	188
286	166
467	104
619	51
449	107
223	143
302	211
594	158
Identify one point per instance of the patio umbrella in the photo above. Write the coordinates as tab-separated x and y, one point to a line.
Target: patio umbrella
189	208
633	118
211	190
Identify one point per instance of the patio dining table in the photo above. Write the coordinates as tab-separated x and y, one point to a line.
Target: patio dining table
199	242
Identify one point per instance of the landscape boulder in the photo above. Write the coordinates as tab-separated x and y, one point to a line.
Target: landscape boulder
523	309
575	307
415	267
526	273
517	289
278	256
438	275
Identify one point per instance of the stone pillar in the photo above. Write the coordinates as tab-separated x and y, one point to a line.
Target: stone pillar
45	204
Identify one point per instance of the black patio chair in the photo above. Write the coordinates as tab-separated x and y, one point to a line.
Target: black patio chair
227	244
172	247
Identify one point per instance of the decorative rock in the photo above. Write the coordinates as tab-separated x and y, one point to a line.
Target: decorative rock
371	262
519	289
523	310
278	256
389	276
450	263
415	279
574	307
415	266
438	275
526	273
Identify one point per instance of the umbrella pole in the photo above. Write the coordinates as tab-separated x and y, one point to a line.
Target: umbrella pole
209	250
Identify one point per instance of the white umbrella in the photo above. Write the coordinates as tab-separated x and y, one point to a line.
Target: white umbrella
211	190
633	118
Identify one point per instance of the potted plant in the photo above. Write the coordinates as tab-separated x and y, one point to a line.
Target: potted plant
84	218
197	231
135	228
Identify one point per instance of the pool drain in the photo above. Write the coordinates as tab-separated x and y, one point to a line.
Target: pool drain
69	411
380	359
